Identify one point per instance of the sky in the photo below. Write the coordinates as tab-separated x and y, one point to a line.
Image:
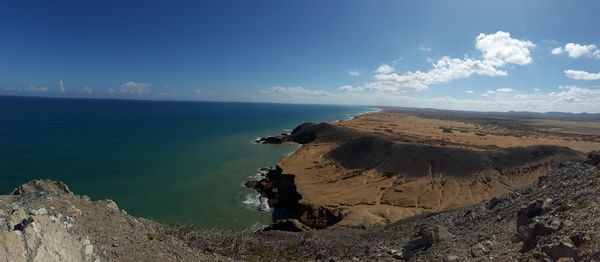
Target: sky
471	55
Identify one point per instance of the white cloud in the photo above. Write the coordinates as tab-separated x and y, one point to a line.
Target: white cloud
32	88
384	69
61	86
498	50
296	91
564	99
135	88
572	94
87	89
425	49
576	50
470	92
557	51
581	75
353	73
498	91
521	97
504	90
349	88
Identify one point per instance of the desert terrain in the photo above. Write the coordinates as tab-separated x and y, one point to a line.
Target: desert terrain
380	168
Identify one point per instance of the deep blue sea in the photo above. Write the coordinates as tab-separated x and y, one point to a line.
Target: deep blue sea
174	162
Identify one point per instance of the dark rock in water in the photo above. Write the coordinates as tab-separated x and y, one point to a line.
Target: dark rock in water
274	172
264	186
251	184
270	140
280	190
593	158
286	193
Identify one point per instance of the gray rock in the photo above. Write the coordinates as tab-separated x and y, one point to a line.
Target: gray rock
534	209
39	212
46	241
423	238
479	250
593	158
42	187
563	249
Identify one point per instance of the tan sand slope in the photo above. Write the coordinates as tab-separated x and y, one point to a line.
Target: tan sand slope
366	177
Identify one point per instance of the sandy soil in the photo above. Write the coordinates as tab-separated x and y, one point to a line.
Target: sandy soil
398	126
368	197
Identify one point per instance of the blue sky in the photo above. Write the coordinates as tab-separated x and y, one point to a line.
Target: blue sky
474	55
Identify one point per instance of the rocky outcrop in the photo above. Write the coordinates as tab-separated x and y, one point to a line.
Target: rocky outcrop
42	187
273	139
423	238
43	220
309	132
290	213
34	234
593	158
559	213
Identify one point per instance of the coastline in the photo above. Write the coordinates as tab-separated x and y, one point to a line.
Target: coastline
44	212
334	194
182	152
253	200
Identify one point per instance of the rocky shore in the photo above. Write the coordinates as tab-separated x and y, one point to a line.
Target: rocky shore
379	187
553	219
346	176
43	220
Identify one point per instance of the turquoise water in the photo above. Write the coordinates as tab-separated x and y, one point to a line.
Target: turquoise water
175	162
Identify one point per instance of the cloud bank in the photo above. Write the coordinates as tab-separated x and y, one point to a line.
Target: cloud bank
135	88
295	91
497	50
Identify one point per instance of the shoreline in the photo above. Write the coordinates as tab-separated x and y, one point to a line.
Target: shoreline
253	200
256	199
324	201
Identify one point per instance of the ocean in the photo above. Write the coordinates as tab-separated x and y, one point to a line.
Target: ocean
173	162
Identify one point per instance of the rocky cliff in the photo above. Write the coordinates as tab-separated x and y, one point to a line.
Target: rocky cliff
553	219
44	221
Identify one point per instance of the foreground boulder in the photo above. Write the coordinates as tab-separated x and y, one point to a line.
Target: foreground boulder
593	158
424	238
43	220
